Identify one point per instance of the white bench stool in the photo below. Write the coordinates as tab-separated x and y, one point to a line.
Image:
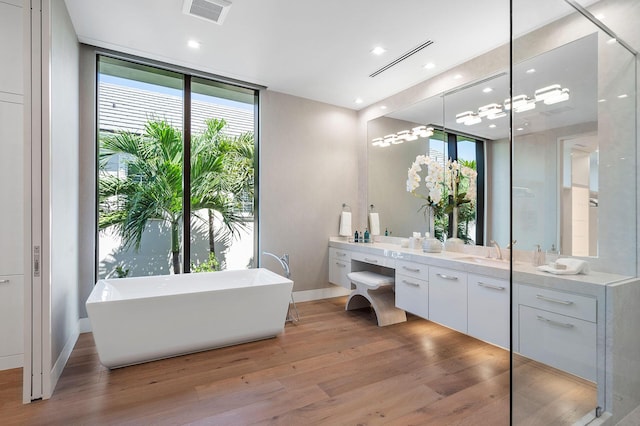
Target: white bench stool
377	291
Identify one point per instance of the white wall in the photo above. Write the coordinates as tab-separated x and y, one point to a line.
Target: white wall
63	185
86	176
308	168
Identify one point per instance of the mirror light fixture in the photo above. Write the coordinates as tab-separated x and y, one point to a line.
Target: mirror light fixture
549	95
552	94
468	118
491	111
402	136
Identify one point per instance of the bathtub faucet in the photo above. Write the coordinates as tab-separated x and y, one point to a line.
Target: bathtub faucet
284	261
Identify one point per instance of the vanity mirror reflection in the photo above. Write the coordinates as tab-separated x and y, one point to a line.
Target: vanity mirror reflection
554	145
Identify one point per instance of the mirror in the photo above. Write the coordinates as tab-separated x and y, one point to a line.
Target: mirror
547	131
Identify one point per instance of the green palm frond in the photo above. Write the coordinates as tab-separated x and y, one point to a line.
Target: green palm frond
148	185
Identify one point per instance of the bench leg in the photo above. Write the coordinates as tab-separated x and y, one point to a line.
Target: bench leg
382	301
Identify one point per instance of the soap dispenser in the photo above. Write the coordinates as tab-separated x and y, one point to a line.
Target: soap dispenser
538	256
366	235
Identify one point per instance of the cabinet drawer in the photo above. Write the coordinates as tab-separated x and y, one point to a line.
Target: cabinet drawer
11	315
412	295
560	341
411	269
339	254
446	276
489	304
338	271
373	259
574	305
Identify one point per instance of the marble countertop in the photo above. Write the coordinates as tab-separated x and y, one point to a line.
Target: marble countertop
592	283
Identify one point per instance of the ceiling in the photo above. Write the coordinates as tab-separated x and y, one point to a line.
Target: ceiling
319	50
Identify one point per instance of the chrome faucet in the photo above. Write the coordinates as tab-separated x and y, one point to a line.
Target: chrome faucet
284	262
511	244
498	251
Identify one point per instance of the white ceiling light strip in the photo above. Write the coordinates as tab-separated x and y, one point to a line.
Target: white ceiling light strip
402	136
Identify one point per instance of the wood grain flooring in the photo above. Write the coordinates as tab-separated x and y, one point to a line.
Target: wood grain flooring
332	368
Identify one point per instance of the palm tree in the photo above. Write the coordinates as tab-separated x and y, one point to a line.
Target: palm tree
152	186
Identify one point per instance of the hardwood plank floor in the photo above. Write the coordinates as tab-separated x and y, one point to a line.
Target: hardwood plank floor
333	368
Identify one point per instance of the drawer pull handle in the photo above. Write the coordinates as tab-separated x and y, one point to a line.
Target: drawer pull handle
342	265
410	283
341	254
371	260
448	277
552	322
491	286
4	281
551	299
411	269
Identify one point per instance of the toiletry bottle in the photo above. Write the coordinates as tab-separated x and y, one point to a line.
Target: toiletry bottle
366	235
386	232
538	256
355	237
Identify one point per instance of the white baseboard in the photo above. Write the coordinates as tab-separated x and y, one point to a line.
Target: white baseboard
61	362
320	293
11	361
85	325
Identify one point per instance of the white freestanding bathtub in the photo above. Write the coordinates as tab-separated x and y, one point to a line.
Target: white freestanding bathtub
141	319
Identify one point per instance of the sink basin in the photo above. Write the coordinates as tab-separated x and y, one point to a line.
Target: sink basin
485	261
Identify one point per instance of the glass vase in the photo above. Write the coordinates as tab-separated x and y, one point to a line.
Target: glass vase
453	241
431	244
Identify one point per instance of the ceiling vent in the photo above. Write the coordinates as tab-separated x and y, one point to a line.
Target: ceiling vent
402	58
211	10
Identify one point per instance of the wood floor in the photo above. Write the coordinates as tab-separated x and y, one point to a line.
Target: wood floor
333	368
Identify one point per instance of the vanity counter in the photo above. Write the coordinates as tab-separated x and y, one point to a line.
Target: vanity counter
592	283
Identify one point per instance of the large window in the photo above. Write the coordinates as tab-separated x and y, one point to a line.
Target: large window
176	171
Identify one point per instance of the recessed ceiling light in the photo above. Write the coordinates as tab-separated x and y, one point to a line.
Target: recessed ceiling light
383	107
602	100
487	90
429	66
194	44
611	41
531	70
358	100
378	50
520	129
457	77
492	126
600	16
624	95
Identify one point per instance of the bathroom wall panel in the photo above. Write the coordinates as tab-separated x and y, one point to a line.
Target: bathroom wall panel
308	168
11	185
11	48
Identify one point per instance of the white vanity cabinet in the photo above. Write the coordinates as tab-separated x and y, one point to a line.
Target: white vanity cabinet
448	297
339	267
559	329
412	288
11	186
11	321
488	310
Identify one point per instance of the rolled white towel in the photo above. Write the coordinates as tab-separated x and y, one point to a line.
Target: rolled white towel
345	224
573	267
374	224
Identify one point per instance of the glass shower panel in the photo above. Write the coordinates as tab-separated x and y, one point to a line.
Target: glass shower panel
573	208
